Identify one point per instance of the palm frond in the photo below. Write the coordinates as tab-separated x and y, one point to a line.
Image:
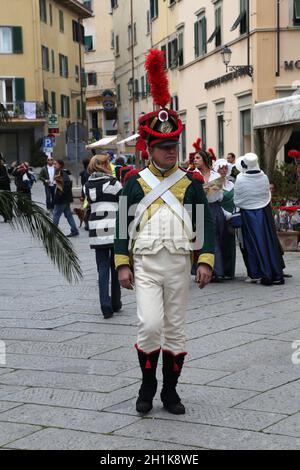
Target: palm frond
28	216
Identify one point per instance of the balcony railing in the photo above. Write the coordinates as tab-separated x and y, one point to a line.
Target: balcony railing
16	110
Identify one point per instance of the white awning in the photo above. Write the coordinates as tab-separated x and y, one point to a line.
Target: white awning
102	143
128	139
280	112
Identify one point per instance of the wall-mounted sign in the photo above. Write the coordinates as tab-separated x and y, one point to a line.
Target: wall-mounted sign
291	64
53	120
226	78
108	93
108	105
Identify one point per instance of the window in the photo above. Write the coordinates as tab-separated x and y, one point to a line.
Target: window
78	32
148	22
220	119
136	89
92	78
173	53
65	106
117	47
200	37
153	9
53	102
296	12
180	49
114	3
164	49
203	132
11	40
45	58
63	66
131	36
245	129
50	14
77	73
88	4
53	61
83	78
242	19
46	100
43	11
217	34
175	103
61	21
88	43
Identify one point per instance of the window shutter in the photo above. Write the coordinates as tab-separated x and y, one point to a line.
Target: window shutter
78	109
169	54
164	49
196	28
60	65
67	67
204	35
180	41
53	102
94	78
17	40
68	106
20	89
62	105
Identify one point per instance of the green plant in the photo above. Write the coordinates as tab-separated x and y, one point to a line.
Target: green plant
285	179
26	215
4	115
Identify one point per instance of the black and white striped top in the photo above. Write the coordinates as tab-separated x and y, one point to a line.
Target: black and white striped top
102	192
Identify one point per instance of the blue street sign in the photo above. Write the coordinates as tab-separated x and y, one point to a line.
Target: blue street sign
48	143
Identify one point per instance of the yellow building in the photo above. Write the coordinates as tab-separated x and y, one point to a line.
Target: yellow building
216	102
41	69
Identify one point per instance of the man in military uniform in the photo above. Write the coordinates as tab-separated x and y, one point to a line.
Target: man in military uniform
153	252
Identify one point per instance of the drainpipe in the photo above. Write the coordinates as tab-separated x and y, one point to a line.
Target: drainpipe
248	33
278	39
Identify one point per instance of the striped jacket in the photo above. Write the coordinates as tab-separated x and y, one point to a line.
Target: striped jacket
102	192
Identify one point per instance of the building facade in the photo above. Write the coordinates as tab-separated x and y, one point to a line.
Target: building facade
41	70
131	39
216	103
99	68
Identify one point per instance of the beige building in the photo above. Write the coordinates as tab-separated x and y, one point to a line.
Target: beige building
132	38
216	104
41	65
99	68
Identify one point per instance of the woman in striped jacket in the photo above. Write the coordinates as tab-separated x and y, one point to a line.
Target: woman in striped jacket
102	191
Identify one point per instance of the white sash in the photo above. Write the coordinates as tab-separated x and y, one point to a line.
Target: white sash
160	189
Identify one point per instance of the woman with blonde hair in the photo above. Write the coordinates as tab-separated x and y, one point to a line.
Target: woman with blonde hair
102	192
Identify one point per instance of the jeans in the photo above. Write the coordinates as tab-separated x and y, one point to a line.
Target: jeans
105	263
65	209
50	193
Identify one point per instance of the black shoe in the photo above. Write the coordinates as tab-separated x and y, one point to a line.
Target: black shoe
175	409
217	279
118	308
73	235
280	282
143	406
107	312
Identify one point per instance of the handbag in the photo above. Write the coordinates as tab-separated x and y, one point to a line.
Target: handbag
236	220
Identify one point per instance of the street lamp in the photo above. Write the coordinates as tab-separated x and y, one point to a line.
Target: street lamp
133	93
226	54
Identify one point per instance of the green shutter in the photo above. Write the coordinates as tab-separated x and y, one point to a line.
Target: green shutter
94	78
60	65
196	29
62	105
68	106
78	109
88	42
53	102
67	67
17	40
20	89
180	40
204	35
297	9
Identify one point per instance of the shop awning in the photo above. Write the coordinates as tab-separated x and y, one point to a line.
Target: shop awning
106	141
280	112
128	139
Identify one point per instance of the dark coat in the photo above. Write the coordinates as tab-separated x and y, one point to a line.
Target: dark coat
63	193
4	179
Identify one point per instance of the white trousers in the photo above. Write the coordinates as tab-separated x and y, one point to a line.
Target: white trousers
162	284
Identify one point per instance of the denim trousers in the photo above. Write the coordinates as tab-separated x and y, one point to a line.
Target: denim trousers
105	265
65	209
50	193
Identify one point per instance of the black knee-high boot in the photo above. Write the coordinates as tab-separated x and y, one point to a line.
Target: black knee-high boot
172	365
148	364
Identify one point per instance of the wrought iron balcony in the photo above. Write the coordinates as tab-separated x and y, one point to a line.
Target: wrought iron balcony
16	110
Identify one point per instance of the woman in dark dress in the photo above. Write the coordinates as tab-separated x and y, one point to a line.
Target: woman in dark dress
4	178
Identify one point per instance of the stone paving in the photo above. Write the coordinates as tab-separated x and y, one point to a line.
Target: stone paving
71	377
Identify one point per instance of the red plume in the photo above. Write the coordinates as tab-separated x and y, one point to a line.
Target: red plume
141	144
157	77
145	155
294	154
197	145
213	155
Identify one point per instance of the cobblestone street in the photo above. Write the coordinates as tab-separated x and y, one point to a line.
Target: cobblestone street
71	377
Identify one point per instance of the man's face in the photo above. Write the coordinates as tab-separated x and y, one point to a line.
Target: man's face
165	157
230	159
50	161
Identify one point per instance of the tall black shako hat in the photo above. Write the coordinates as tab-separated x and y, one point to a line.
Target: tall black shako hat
161	127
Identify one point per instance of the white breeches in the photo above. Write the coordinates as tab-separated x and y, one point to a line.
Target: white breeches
162	284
